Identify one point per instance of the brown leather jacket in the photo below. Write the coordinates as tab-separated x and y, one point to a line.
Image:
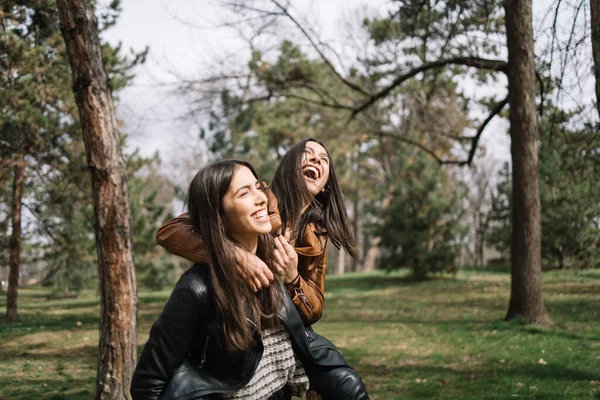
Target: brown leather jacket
178	237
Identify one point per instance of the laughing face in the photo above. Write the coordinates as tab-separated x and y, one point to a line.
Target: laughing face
245	208
315	167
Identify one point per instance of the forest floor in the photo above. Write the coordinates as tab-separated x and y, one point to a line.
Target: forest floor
442	338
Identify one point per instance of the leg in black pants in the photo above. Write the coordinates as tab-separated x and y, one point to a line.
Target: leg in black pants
336	383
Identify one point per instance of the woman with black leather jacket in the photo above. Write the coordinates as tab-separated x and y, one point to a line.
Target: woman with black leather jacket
216	338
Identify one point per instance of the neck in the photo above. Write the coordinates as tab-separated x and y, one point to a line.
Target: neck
248	243
312	198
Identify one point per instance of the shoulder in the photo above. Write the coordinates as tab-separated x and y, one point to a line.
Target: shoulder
196	279
314	241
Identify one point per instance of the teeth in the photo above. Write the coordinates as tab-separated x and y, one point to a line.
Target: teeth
259	214
314	172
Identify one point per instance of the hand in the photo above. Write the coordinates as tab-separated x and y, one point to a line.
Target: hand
253	270
286	259
312	395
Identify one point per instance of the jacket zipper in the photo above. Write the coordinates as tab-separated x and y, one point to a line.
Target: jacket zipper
303	298
203	359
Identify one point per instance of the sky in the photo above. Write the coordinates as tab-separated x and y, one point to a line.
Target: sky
150	115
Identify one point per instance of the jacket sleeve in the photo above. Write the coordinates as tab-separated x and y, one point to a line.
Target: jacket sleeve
177	236
169	341
308	289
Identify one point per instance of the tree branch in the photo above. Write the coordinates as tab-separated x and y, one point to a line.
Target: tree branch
476	62
323	57
475	141
422	147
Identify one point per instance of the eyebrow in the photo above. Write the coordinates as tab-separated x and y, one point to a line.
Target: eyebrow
245	187
308	149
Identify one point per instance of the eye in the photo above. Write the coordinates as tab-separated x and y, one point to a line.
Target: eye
325	160
244	193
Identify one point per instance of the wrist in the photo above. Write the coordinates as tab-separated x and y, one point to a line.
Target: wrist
293	281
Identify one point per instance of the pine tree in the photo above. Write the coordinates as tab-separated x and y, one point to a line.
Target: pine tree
423	228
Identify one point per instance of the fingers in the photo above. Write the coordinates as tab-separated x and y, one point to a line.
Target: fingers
286	259
285	245
253	270
281	258
257	284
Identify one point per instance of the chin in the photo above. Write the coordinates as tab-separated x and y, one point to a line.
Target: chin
263	230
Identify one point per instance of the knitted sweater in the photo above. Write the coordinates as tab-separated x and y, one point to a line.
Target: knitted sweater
278	368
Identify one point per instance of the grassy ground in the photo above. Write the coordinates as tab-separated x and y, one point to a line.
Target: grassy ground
436	339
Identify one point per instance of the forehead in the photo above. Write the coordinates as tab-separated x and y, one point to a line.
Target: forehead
315	148
241	177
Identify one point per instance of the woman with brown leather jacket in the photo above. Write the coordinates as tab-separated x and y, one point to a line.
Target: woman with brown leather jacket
216	338
307	207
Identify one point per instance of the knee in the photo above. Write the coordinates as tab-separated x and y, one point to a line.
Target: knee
342	383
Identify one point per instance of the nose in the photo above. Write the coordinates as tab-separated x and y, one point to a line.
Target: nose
313	158
260	198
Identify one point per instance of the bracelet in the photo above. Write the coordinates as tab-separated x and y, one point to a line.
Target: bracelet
294	280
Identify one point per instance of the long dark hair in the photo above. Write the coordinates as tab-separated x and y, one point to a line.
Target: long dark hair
235	300
326	209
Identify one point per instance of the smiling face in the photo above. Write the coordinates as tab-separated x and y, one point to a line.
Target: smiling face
245	209
315	167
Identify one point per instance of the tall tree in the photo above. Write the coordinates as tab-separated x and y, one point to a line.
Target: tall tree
416	40
15	237
33	109
526	300
595	21
569	187
422	228
118	338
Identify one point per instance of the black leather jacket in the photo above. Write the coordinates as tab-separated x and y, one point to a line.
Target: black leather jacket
187	339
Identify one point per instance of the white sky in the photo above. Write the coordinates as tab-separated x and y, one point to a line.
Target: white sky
146	111
149	115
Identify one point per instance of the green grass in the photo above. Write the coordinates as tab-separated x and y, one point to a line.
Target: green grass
443	338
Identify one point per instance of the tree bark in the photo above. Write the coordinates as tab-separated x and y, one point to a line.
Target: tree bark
15	238
373	251
526	302
356	227
118	339
595	20
341	262
356	212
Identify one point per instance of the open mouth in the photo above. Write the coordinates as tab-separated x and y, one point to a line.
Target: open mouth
260	215
311	172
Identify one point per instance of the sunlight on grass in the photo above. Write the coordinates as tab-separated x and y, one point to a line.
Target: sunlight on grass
443	338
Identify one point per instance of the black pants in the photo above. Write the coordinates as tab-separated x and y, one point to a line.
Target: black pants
336	383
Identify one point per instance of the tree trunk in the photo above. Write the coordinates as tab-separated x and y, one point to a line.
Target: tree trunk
341	262
526	302
373	252
118	339
15	238
595	19
356	211
357	235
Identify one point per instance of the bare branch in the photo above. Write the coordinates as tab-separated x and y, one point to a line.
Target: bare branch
323	57
319	103
475	141
422	147
476	62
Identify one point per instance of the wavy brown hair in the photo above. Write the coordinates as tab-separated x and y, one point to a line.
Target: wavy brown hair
236	302
326	209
